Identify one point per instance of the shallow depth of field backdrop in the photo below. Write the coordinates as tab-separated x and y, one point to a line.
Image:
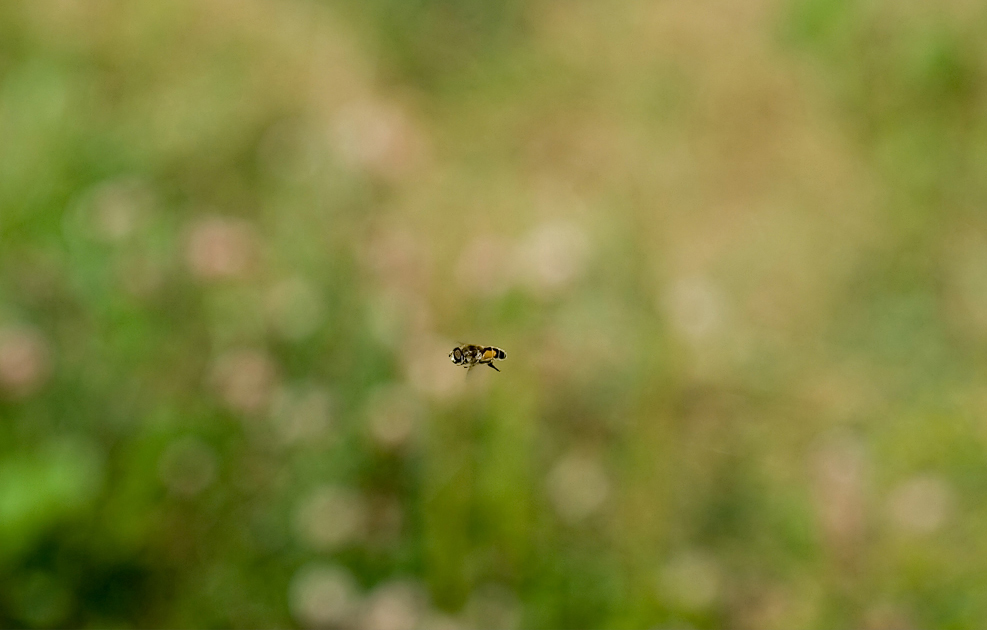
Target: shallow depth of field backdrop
736	252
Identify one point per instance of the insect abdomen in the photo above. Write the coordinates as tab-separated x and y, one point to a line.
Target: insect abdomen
490	353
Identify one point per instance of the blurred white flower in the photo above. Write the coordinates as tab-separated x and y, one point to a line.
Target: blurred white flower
119	207
187	466
245	379
696	308
331	517
111	211
577	486
219	248
301	413
921	505
294	308
392	413
395	605
691	581
323	596
25	361
552	256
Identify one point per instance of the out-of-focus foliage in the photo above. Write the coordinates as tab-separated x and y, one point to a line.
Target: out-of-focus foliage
736	252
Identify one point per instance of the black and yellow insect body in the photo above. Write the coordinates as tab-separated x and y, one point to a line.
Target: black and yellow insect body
469	356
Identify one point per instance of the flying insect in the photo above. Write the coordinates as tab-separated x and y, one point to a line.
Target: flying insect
469	356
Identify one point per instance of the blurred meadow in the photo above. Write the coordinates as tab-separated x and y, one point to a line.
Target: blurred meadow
736	251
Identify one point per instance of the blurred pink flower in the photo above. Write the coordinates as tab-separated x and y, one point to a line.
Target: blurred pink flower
578	487
220	248
398	259
841	467
377	137
24	361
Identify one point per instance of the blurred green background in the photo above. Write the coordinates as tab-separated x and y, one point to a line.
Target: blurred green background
736	251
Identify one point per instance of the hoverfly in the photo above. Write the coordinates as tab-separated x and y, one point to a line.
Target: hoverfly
469	356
